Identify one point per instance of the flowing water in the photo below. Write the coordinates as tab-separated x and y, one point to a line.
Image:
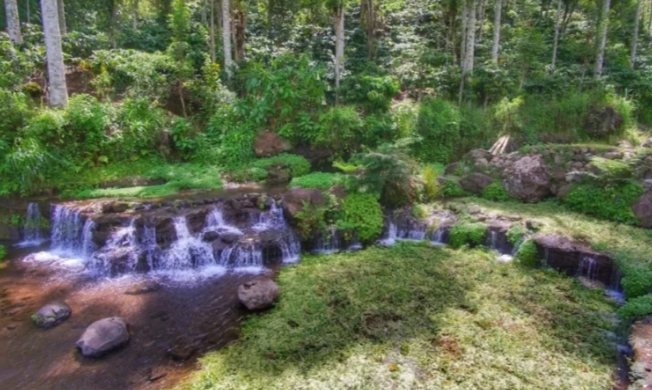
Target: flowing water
32	230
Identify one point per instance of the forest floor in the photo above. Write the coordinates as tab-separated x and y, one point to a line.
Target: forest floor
417	316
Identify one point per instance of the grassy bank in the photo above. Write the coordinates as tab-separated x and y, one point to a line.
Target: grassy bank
415	316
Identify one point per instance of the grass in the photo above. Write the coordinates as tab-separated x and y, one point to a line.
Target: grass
320	180
414	316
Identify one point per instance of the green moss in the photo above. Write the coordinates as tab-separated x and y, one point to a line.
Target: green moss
452	189
516	233
636	307
495	192
297	165
465	233
527	254
363	211
608	202
319	180
637	281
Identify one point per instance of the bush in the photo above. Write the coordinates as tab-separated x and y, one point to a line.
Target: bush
637	281
372	93
495	192
363	212
320	180
636	307
431	188
516	234
3	252
452	189
297	165
438	125
527	254
340	130
466	233
607	202
311	221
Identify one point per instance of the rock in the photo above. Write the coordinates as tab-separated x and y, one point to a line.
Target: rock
639	339
481	164
52	314
451	169
258	294
647	143
143	287
527	179
339	191
278	175
615	155
103	336
642	209
477	154
269	144
476	182
603	121
558	174
563	191
294	199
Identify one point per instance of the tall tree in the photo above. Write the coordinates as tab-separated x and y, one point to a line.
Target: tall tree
555	44
497	14
337	8
61	9
13	21
226	36
180	26
239	30
637	21
469	51
58	91
369	18
28	11
481	16
212	32
603	29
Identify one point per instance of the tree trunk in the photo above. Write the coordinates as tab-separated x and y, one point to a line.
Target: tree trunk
469	53
113	22
13	22
212	41
497	14
369	17
226	36
557	30
28	11
632	61
338	20
58	93
61	9
481	15
240	24
136	15
649	19
602	36
465	12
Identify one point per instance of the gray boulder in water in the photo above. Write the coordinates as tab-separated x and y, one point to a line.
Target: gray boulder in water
103	336
52	314
258	294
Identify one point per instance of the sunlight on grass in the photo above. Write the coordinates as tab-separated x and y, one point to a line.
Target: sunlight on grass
414	316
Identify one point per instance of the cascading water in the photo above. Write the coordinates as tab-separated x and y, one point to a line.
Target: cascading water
438	237
392	235
587	268
187	251
67	229
32	227
273	219
328	243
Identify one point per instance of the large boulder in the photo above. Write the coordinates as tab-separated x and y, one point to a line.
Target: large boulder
294	199
269	144
103	336
258	294
604	121
52	314
475	182
528	179
642	209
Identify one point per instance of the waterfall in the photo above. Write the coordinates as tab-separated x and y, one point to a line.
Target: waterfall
438	237
392	234
244	254
32	227
215	223
187	251
150	246
328	243
587	268
494	239
290	247
66	230
272	219
87	245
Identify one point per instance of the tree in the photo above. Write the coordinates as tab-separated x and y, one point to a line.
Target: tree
369	19
180	26
212	32
13	22
497	13
58	91
603	28
337	7
63	29
240	25
555	44
637	21
226	36
468	39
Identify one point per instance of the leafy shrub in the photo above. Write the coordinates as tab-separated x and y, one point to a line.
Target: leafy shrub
14	113
340	129
231	135
320	180
3	252
527	254
431	187
372	93
466	233
86	121
311	221
636	307
452	189
364	213
612	170
138	124
637	281
607	202
496	192
26	167
297	165
438	125
516	233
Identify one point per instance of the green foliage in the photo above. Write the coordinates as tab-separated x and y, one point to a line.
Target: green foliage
527	254
516	233
607	202
467	233
3	252
637	307
452	189
340	129
637	280
320	180
438	125
496	192
371	93
432	189
297	165
311	221
364	213
612	170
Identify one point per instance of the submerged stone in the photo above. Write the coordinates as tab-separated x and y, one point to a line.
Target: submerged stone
52	314
103	336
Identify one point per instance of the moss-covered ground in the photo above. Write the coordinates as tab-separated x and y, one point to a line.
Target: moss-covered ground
420	317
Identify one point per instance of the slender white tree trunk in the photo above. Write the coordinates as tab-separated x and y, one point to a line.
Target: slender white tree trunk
226	36
213	51
61	9
338	16
557	30
465	13
136	15
13	22
469	53
481	15
58	91
28	11
637	21
497	14
602	36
